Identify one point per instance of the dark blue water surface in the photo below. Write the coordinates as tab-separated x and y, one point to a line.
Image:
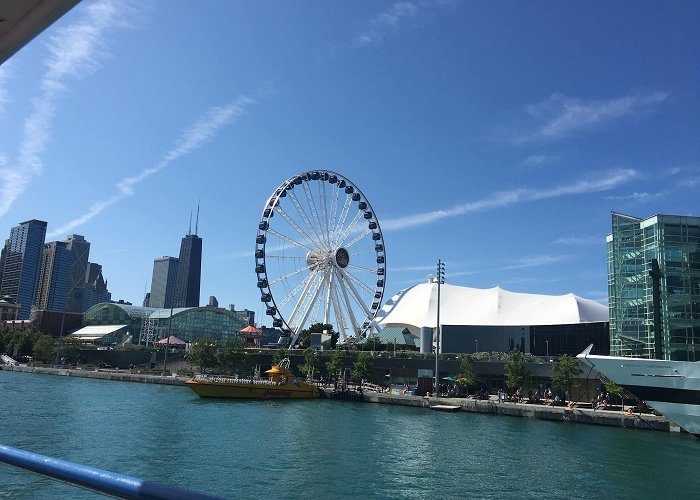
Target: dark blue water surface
325	449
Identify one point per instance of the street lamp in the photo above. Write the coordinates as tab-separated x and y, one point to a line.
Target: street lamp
547	343
440	281
170	332
476	346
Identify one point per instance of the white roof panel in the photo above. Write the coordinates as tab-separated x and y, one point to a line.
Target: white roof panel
417	306
96	331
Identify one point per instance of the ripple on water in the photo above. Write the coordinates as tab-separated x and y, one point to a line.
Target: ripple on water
321	449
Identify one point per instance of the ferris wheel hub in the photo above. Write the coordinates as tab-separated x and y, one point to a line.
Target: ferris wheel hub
342	258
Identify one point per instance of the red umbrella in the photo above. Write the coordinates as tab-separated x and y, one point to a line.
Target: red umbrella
172	340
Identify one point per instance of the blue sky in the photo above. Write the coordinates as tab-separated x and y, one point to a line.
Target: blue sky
497	137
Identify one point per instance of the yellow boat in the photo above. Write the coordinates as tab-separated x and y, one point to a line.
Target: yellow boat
280	384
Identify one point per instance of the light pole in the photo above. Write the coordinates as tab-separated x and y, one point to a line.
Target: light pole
440	281
476	346
170	332
547	344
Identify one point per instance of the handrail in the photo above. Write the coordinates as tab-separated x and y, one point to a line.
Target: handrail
97	480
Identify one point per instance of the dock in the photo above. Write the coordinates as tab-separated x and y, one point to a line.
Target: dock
446	407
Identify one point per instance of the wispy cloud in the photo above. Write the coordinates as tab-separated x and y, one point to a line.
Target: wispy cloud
538	160
640	197
501	199
194	137
75	51
397	17
560	116
5	73
415	268
386	23
535	261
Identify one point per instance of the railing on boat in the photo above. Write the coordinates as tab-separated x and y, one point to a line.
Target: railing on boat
97	480
234	380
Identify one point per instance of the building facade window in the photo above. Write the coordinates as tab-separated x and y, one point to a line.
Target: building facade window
674	241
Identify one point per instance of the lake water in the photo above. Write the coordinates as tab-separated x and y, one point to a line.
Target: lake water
326	449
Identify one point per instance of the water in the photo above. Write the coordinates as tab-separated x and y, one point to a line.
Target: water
325	449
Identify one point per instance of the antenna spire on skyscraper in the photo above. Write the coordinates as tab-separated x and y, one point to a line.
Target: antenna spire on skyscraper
196	224
189	231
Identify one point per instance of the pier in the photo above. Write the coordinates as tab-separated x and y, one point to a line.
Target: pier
99	373
526	410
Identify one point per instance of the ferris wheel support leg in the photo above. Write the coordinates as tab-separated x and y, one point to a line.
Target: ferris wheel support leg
307	312
327	308
342	329
356	295
298	305
343	289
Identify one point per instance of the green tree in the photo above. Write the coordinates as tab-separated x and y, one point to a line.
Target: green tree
565	372
467	372
278	356
363	368
517	375
22	341
45	348
305	339
310	362
70	349
335	365
616	390
203	353
372	344
233	354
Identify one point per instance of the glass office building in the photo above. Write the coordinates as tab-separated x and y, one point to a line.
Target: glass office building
22	263
187	324
633	248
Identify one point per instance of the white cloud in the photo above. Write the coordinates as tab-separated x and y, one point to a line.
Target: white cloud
560	116
386	22
5	73
641	197
506	198
415	268
535	261
537	160
194	137
75	51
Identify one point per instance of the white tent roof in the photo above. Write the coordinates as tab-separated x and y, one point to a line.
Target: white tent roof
96	331
417	306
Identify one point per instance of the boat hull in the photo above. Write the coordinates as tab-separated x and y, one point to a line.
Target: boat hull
214	389
670	387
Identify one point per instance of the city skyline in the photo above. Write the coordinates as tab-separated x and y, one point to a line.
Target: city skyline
498	138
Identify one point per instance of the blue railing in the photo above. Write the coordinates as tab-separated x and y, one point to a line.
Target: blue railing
97	480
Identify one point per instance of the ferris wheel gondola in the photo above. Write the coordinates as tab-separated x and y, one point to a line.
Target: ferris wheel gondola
320	256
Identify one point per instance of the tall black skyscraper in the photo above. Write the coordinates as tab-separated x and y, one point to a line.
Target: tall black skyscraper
189	269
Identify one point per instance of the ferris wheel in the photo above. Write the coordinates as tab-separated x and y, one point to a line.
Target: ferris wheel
319	256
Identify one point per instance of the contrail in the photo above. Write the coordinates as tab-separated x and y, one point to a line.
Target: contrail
75	52
506	198
199	133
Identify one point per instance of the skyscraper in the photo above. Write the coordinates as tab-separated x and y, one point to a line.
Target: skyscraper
189	269
54	278
62	276
80	251
163	282
22	263
95	289
654	286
